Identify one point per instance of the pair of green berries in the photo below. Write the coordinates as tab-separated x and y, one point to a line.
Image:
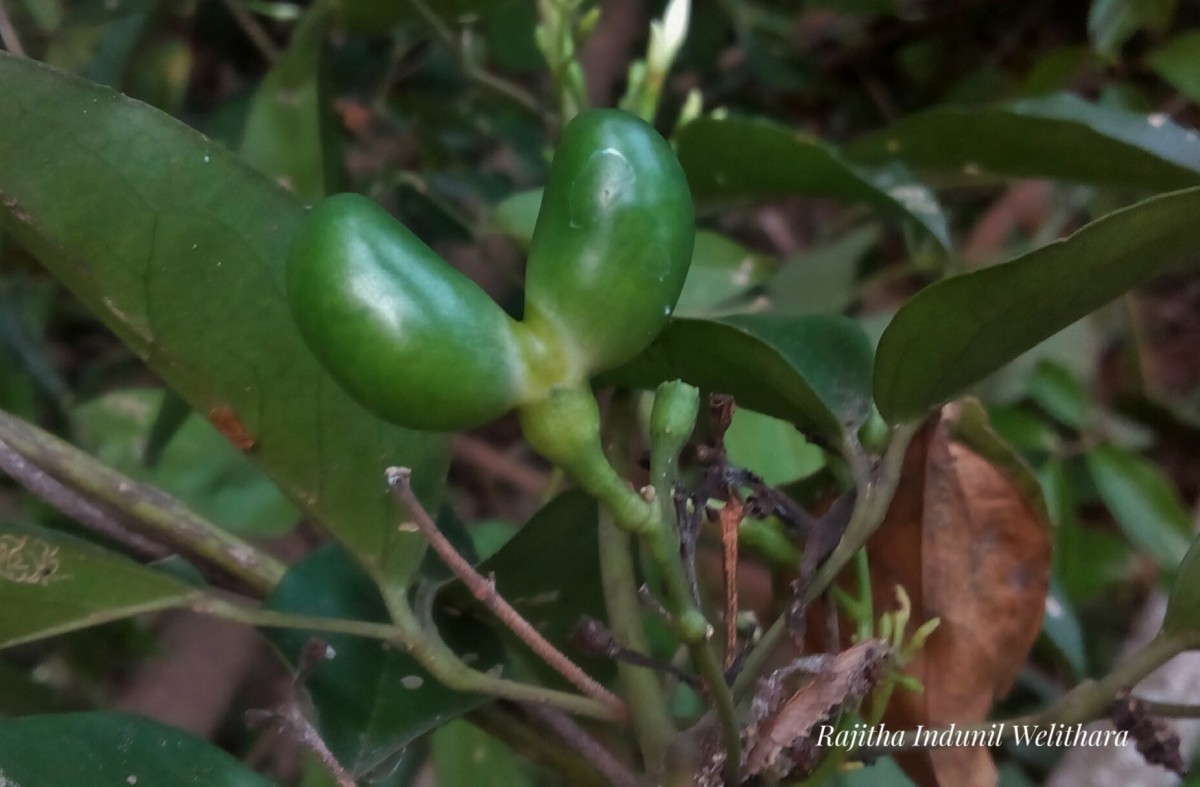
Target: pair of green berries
421	345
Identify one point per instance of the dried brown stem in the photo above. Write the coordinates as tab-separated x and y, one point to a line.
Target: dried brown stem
497	464
485	591
291	720
8	33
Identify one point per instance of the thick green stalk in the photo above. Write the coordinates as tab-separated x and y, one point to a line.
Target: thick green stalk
156	515
652	722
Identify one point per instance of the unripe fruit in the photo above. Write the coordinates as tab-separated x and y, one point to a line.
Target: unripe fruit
404	333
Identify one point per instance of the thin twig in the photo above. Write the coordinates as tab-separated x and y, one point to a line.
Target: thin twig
496	84
496	463
8	33
253	30
484	590
505	723
1171	710
292	720
584	744
71	504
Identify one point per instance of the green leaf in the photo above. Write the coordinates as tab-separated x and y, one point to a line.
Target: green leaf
745	159
821	279
1061	395
21	694
1144	503
52	583
516	215
1087	561
371	700
1061	626
771	448
289	136
957	331
1112	22
811	370
173	413
180	248
1177	61
1183	606
199	466
110	748
1061	137
1028	432
466	755
550	573
721	271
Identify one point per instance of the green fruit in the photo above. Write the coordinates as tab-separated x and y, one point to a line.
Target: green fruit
612	243
418	343
407	335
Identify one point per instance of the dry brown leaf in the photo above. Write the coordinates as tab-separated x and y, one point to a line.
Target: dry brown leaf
781	740
970	547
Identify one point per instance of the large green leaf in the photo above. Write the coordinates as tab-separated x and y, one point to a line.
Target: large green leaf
466	755
1177	61
812	370
745	159
1060	136
1144	503
199	466
1183	607
51	583
180	249
957	331
1112	22
109	748
289	135
721	271
771	448
371	700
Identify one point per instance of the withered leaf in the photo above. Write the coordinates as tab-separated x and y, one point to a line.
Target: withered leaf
781	740
967	537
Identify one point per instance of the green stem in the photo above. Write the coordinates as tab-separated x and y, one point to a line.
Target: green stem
156	514
410	636
556	37
869	511
425	645
484	591
651	720
565	428
866	603
1089	700
267	618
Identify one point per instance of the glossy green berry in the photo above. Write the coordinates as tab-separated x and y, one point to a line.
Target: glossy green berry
418	343
613	240
407	335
